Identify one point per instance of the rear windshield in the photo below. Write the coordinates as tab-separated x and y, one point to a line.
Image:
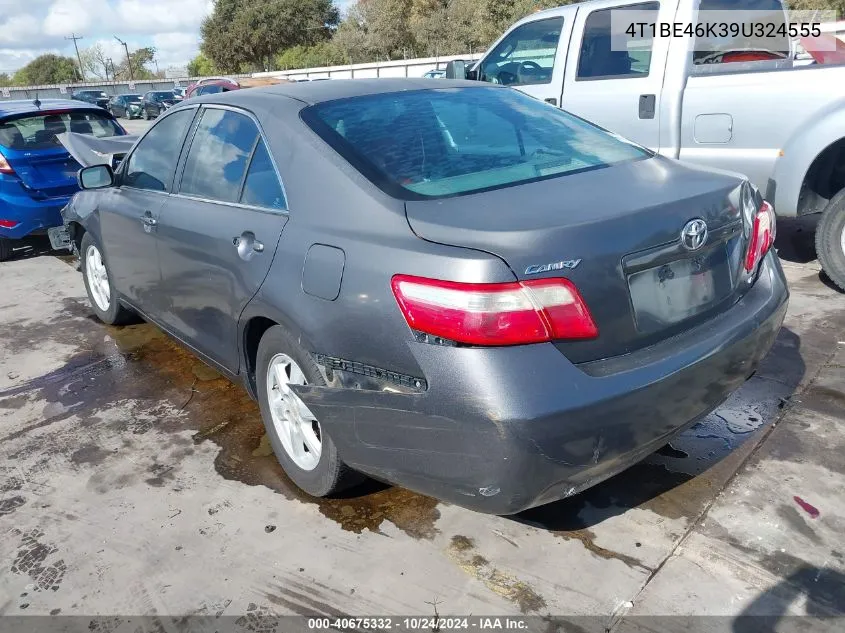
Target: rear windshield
163	95
452	141
133	98
95	94
39	132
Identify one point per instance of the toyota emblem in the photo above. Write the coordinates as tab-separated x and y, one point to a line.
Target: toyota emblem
694	235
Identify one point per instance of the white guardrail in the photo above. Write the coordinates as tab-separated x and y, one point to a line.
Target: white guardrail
395	68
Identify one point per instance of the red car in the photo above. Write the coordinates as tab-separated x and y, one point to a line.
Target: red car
213	86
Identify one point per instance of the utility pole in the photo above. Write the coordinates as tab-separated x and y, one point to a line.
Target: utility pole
128	59
75	37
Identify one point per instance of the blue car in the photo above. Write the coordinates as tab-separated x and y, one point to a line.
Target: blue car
37	174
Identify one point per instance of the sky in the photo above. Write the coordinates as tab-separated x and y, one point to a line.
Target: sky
29	28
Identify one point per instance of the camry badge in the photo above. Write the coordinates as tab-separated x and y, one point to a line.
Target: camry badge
694	234
571	264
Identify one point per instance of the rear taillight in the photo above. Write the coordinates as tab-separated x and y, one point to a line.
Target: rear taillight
511	313
8	224
5	167
762	236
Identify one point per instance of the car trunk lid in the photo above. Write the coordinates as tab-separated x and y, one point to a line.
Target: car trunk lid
616	233
47	173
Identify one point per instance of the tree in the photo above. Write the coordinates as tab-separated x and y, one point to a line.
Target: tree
5	80
140	58
95	62
252	32
48	69
201	66
388	27
321	54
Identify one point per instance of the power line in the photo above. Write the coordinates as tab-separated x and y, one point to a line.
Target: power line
75	37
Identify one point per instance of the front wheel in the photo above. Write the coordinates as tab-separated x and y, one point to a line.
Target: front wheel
99	286
302	446
146	115
830	240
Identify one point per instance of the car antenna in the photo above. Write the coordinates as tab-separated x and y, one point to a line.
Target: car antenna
37	103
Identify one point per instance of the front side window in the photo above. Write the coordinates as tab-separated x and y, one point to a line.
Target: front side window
39	132
447	142
152	164
601	55
218	156
526	56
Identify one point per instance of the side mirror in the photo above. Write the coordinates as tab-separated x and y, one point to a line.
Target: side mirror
95	177
456	70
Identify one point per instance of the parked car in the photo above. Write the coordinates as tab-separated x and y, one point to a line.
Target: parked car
179	92
95	97
37	175
453	287
126	105
700	112
435	74
209	87
156	102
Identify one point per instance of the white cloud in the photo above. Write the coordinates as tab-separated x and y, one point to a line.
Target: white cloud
29	28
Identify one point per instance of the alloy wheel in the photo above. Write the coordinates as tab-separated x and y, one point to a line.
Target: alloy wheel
98	278
295	425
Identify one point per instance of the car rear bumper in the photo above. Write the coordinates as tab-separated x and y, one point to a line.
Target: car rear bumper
501	430
31	215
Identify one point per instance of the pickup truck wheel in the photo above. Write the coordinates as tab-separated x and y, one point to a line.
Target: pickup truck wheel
98	284
303	448
830	240
5	249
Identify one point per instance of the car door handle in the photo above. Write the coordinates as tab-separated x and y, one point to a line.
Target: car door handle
247	245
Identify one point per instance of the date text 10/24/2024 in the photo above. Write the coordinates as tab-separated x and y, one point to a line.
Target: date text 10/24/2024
418	623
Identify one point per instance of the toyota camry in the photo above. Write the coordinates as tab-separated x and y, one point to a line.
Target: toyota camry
447	286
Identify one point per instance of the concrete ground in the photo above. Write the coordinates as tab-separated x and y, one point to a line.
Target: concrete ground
135	480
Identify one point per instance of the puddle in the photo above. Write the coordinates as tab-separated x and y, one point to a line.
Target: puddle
142	364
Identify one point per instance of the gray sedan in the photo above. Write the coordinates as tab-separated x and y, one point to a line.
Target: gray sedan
448	286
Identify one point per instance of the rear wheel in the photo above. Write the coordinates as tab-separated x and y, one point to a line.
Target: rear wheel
146	115
98	284
303	448
830	240
5	249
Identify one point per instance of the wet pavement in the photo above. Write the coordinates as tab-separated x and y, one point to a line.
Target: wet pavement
136	480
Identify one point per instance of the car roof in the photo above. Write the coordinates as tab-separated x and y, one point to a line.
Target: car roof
9	108
312	92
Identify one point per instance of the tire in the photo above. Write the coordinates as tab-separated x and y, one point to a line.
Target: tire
5	249
146	115
830	240
109	312
329	475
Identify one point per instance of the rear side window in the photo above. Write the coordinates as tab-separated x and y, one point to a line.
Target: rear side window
152	164
598	59
526	56
447	142
218	156
39	132
262	187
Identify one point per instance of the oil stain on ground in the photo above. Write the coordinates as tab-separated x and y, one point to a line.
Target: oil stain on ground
142	364
462	551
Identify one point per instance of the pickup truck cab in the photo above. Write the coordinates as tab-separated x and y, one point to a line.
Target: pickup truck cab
759	113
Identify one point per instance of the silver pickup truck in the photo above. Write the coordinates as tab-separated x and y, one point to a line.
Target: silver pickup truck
757	112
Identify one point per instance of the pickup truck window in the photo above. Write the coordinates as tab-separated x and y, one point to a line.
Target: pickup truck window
441	143
526	56
598	60
733	50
